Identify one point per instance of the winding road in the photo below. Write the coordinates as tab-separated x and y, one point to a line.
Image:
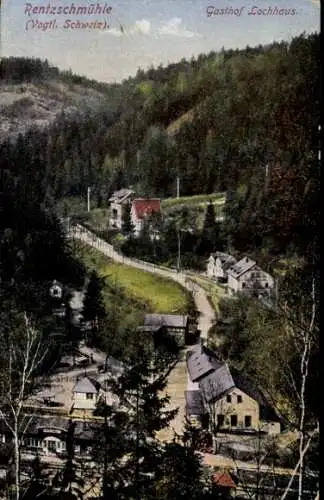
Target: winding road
178	380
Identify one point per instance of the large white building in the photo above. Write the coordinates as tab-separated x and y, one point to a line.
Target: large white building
245	275
218	265
117	203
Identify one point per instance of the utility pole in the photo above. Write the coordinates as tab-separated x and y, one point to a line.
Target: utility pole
88	197
319	143
266	176
178	187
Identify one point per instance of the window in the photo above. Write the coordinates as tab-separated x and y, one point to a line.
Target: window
228	398
239	399
89	395
243	284
220	420
51	445
233	420
247	421
266	285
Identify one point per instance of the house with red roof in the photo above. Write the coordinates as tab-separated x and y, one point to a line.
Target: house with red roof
142	208
225	483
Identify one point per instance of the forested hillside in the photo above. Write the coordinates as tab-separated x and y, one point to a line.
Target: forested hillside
242	121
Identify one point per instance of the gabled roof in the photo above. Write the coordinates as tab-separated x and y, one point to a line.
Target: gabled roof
146	206
216	384
149	328
201	361
168	320
86	385
121	196
223	480
241	267
226	259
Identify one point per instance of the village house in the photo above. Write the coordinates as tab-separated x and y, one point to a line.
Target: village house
47	435
86	393
218	265
141	209
225	484
117	203
227	397
246	276
176	325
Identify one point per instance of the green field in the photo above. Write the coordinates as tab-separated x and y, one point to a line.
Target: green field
199	199
156	294
159	293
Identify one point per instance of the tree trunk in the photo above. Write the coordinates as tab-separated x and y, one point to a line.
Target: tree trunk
16	458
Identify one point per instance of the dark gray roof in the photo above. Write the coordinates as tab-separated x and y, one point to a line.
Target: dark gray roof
225	258
215	379
241	267
121	195
200	362
44	424
149	328
168	320
216	383
194	403
86	385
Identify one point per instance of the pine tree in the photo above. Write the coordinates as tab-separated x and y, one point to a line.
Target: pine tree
127	223
180	475
210	234
127	449
71	480
93	306
140	393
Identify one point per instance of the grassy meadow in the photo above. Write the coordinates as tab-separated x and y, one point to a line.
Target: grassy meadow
143	289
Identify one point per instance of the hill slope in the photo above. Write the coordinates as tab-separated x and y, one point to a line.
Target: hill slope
23	106
33	94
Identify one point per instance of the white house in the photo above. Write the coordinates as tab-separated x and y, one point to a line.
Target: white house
117	203
141	209
245	275
86	393
218	265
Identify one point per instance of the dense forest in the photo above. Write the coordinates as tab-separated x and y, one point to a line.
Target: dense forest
230	121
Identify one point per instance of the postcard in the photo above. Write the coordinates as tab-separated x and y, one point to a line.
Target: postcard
159	262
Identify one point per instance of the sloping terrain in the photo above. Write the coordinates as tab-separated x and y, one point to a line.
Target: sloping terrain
38	104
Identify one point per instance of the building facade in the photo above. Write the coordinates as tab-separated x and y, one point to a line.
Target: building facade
245	275
142	209
117	203
86	393
176	325
230	401
218	265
